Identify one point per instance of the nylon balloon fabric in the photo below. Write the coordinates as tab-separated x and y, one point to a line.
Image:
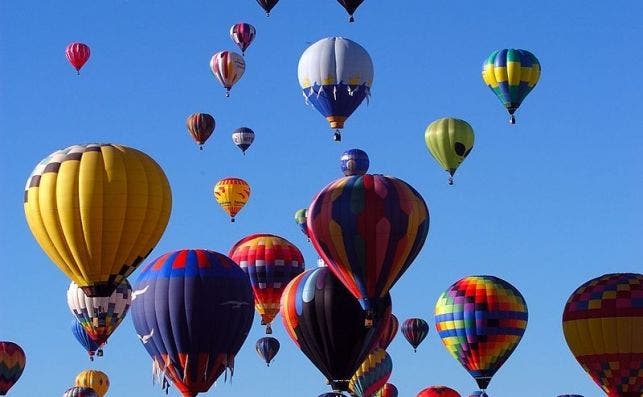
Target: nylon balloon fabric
267	348
12	364
372	374
389	390
232	194
242	34
97	210
481	320
389	332
84	339
327	323
270	262
368	229
96	380
438	391
200	126
354	162
100	316
192	310
80	392
603	327
77	54
415	330
511	74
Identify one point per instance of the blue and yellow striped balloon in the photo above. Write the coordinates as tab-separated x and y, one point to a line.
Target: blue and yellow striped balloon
511	74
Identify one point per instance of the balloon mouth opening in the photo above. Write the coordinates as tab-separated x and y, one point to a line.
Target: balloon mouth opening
99	290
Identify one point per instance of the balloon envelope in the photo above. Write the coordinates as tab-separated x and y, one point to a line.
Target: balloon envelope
243	138
438	391
242	34
97	210
389	332
368	229
192	311
77	54
450	141
354	162
97	380
389	390
415	330
84	339
267	5
350	6
270	262
267	348
327	323
372	374
227	67
200	126
335	75
481	320
99	316
301	219
12	364
511	74
603	327
232	194
77	391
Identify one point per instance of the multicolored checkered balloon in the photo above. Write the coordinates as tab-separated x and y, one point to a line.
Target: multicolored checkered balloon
481	320
603	327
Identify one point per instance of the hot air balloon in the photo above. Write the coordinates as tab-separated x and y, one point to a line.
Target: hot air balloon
242	34
331	394
368	229
335	75
227	67
99	316
450	141
603	327
350	6
480	320
267	348
389	390
97	210
267	5
97	380
327	323
85	340
389	332
354	162
511	74
192	310
372	374
570	395
300	220
80	392
415	330
232	194
200	126
270	262
438	391
478	393
77	54
243	138
12	364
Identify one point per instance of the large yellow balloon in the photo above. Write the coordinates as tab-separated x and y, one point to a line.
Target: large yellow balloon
450	141
232	194
96	380
97	210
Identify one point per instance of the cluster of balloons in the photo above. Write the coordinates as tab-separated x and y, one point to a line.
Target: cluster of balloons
349	5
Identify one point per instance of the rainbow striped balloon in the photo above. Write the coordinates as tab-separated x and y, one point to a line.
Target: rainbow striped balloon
481	320
12	363
368	229
603	326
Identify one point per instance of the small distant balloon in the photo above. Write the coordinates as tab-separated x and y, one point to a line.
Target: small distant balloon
415	330
227	67
77	54
350	6
232	194
450	141
200	126
80	392
267	348
267	5
12	364
300	220
243	138
242	34
354	162
85	340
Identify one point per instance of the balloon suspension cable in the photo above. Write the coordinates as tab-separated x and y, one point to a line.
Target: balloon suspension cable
268	329
512	119
451	180
337	137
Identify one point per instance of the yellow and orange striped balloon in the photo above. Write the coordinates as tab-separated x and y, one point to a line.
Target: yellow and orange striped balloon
232	194
97	380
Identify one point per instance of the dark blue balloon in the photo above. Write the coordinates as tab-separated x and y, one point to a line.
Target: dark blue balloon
267	348
354	162
192	309
84	339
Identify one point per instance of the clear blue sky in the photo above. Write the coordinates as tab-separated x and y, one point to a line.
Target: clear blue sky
546	204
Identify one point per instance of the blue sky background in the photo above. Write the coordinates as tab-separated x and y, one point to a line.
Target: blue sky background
546	204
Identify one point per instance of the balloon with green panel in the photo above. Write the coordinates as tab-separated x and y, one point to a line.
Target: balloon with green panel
450	141
511	74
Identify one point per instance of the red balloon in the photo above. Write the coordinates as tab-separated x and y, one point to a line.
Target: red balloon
77	54
390	330
438	391
389	390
